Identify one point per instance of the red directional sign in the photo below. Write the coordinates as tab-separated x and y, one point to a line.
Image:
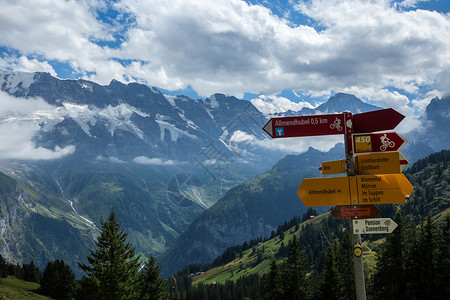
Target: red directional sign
378	120
349	212
378	142
312	125
305	126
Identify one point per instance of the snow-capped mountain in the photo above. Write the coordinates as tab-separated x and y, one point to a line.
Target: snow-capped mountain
157	160
159	126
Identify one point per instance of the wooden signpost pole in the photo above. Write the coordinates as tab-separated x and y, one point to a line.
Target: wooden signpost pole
356	238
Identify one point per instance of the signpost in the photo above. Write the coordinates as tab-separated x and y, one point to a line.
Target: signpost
371	178
350	212
373	226
378	142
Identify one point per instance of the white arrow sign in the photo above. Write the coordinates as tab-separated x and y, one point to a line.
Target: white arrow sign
373	226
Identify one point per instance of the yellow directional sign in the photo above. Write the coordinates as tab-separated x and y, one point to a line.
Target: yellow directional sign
382	189
354	190
324	191
333	167
380	163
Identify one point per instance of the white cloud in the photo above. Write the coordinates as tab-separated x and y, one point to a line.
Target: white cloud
23	64
65	31
242	137
20	121
296	145
153	161
288	145
273	104
411	3
233	47
421	104
112	159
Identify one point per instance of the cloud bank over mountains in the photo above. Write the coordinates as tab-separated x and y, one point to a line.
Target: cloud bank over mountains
20	121
389	52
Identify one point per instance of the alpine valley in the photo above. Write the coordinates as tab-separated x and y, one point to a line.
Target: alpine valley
187	178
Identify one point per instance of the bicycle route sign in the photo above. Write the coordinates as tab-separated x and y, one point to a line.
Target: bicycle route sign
378	142
312	125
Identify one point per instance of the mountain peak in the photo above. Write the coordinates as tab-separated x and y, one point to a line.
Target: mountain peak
345	102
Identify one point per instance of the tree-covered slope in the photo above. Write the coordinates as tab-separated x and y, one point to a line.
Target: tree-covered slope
249	210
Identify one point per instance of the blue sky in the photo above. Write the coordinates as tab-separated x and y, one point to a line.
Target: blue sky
279	54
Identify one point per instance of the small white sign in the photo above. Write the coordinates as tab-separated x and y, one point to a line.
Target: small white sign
373	226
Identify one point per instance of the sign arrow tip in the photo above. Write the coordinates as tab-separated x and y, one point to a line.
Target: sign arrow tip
268	128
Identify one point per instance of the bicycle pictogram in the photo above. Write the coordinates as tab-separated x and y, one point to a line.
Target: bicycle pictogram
386	143
336	124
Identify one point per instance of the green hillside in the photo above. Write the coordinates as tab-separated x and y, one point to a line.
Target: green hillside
255	260
12	288
431	197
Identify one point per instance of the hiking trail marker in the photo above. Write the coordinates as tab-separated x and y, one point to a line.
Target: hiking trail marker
374	226
354	190
378	142
380	163
368	164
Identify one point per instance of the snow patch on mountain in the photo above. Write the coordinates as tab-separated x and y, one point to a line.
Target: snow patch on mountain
170	99
86	85
175	132
81	114
214	103
13	82
115	117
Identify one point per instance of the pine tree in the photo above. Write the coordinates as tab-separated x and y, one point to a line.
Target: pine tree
389	280
421	266
273	283
331	283
3	267
443	262
112	273
345	266
31	273
294	277
150	283
57	280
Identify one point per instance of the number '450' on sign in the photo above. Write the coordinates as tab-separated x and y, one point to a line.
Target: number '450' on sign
378	142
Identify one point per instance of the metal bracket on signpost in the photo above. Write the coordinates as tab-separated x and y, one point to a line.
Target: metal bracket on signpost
356	238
